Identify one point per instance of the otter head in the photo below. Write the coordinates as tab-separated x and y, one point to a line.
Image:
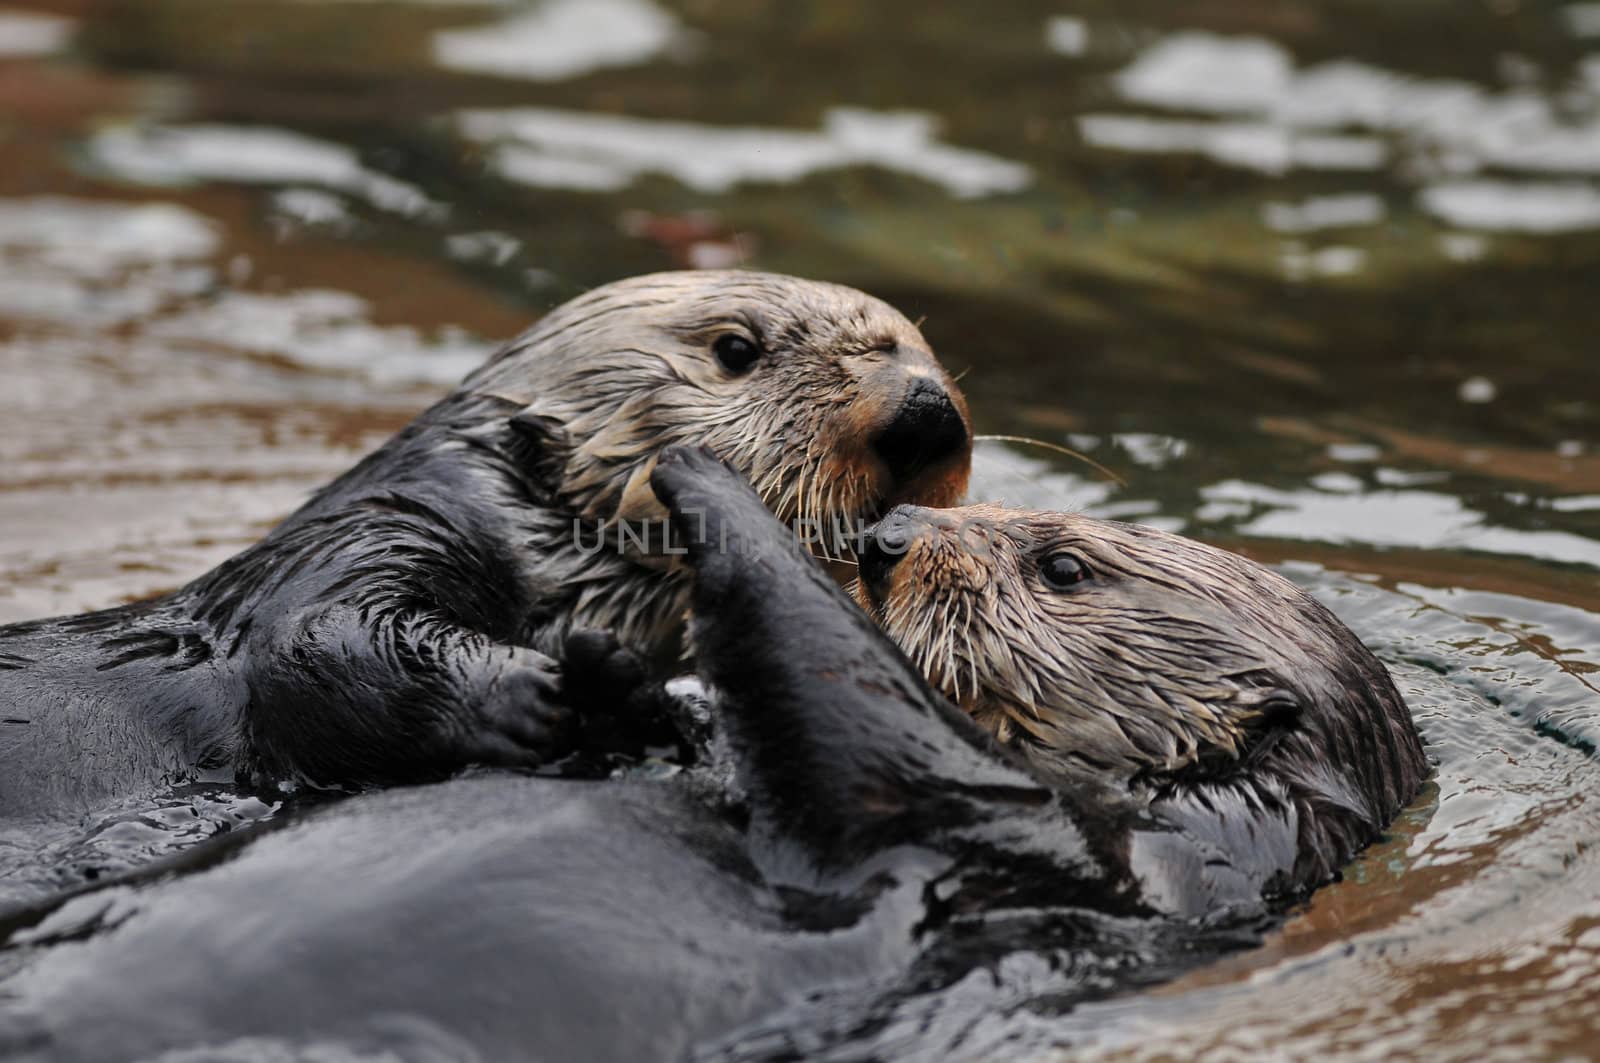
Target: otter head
1184	671
827	399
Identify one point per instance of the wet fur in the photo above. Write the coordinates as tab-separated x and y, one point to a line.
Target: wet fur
404	622
892	850
1210	686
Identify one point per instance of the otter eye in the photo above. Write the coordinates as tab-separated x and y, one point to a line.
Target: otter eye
736	353
1061	571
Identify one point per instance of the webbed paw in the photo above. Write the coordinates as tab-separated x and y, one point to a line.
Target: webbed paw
621	707
525	718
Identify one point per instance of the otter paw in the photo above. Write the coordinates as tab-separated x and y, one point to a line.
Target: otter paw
524	720
621	708
597	670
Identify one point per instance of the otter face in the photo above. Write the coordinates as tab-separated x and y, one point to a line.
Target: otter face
1111	647
828	400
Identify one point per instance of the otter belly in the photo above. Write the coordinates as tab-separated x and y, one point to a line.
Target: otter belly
97	706
525	918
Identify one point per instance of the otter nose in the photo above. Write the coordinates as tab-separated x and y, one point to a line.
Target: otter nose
927	430
885	543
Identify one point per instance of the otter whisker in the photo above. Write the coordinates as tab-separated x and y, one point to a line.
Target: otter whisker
966	636
1057	448
802	509
831	504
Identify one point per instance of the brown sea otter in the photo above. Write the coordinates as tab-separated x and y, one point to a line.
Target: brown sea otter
404	622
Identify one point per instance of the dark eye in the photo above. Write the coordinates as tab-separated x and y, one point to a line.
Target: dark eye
1061	571
736	353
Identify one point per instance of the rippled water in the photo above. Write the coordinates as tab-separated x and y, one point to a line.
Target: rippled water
1314	279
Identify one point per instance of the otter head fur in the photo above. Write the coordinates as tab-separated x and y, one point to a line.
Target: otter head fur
1187	672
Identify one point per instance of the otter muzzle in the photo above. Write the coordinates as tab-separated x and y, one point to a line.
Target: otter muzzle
927	431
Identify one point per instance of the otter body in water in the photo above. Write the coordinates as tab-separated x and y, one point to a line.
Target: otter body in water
890	849
402	623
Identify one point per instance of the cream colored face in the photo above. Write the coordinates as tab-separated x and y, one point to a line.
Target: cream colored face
1090	644
797	383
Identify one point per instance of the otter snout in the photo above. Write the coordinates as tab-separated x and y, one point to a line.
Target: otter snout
928	432
882	550
884	544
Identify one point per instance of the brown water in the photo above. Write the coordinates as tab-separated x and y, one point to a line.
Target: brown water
1317	278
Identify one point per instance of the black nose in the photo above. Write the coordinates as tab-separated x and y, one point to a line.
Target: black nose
927	430
885	543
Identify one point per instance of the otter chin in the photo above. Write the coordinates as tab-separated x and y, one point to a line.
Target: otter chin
407	620
1208	685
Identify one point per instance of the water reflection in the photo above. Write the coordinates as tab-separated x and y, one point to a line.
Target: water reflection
1259	146
1324	212
1280	117
25	33
560	39
1336	509
325	330
176	155
595	152
98	263
1209	246
1582	19
1389	510
1542	207
118	839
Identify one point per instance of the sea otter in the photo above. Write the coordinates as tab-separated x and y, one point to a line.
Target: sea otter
1206	684
403	623
890	849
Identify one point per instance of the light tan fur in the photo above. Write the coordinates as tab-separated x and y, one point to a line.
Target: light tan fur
1170	651
616	375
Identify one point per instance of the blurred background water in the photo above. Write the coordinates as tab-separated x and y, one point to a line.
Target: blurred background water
1318	279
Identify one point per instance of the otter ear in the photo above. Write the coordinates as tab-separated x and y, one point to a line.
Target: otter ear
1271	712
542	428
1257	718
1276	707
540	444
